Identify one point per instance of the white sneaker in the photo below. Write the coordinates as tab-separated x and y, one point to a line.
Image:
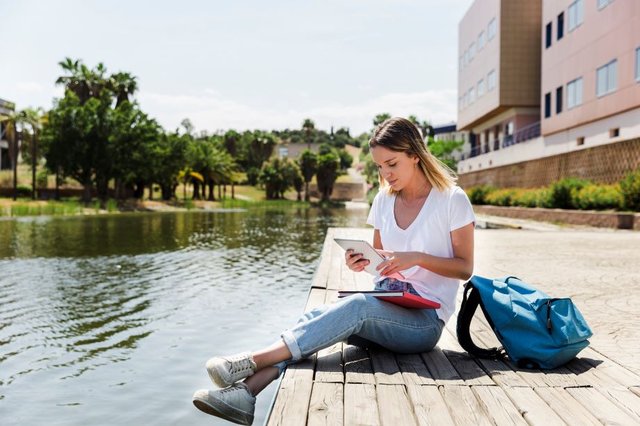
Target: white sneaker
225	371
235	403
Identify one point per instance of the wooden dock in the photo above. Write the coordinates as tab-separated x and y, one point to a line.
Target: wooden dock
347	385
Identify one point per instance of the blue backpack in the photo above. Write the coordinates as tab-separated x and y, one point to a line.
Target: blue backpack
536	331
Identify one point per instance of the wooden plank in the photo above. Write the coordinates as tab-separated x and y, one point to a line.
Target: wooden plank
562	377
385	367
329	367
414	371
618	373
429	407
334	280
440	368
464	406
589	374
601	407
498	406
499	371
322	272
357	365
360	405
502	373
394	406
566	407
534	409
316	298
292	402
326	407
625	399
468	369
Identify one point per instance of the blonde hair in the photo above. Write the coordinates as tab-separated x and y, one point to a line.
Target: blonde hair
401	135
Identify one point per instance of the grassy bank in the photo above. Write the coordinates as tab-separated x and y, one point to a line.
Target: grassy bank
245	197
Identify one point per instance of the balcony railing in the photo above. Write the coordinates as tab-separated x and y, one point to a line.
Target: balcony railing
521	135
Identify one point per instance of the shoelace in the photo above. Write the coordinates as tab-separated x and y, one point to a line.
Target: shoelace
240	364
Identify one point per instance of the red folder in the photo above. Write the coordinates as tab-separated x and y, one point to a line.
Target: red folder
401	298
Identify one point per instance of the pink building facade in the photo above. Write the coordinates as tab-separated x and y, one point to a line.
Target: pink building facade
588	81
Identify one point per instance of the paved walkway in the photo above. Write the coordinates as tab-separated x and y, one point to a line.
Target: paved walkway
599	269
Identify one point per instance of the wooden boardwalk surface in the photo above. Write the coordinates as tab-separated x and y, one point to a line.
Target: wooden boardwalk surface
347	385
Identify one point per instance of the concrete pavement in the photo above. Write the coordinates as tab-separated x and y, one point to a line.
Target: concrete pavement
599	270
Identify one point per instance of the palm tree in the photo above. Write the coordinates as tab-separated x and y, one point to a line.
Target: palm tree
34	118
84	82
123	85
308	126
11	124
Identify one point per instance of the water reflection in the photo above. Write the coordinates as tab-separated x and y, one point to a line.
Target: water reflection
136	302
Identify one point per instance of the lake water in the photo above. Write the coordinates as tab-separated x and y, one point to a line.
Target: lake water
110	319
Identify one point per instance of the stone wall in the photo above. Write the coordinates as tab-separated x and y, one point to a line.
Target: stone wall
598	219
602	164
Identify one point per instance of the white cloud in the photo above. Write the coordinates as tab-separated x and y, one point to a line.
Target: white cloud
210	111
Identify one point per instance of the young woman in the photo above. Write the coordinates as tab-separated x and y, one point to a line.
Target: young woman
423	224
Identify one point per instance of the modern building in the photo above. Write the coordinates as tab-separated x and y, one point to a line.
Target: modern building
556	80
499	73
6	108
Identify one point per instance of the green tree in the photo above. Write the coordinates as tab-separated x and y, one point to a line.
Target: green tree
327	174
12	122
308	162
380	118
275	176
444	150
123	85
308	127
34	118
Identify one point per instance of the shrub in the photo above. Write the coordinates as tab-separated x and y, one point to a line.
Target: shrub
478	194
500	197
560	196
597	197
630	190
42	178
24	190
531	198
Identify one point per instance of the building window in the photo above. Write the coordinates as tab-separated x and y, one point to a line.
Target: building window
548	36
560	25
547	105
638	64
492	29
606	78
491	80
574	93
604	3
472	95
480	88
576	14
481	40
472	51
559	100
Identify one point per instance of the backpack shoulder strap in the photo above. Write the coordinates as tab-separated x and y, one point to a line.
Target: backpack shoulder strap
470	301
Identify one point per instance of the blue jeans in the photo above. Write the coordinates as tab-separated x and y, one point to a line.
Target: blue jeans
363	319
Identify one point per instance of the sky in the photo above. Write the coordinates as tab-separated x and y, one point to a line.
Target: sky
245	65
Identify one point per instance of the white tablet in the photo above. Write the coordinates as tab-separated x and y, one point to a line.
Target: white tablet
367	250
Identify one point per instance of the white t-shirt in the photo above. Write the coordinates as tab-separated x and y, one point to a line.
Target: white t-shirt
442	212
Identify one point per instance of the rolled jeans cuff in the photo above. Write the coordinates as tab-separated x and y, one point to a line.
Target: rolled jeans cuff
292	344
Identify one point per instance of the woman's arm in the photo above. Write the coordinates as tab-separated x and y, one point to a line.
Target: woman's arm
459	266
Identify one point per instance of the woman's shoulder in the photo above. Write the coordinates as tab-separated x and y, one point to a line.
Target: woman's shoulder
452	192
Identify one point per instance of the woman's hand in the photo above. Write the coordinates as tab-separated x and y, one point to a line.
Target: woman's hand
355	261
397	261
